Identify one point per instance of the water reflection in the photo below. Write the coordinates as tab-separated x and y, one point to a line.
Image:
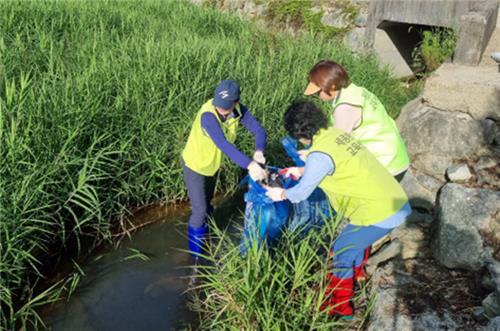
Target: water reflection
122	292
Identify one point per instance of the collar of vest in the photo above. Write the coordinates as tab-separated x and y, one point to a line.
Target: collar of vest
318	136
348	95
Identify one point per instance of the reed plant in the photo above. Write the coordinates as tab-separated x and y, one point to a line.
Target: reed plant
96	102
278	288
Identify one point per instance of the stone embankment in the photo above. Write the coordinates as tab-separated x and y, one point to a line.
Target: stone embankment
442	269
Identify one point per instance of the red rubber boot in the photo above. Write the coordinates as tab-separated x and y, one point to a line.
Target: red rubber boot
338	294
359	271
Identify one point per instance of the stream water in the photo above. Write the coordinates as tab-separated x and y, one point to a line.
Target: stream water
121	291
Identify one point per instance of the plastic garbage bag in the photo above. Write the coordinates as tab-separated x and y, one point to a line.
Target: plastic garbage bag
264	219
312	212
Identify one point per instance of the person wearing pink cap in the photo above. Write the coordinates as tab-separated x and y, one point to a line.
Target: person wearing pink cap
357	111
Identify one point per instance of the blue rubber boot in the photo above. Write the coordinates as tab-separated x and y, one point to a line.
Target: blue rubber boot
197	240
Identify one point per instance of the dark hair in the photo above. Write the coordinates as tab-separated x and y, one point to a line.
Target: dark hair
325	74
303	120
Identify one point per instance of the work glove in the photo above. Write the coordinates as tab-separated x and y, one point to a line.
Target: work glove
256	172
275	193
294	172
259	157
303	154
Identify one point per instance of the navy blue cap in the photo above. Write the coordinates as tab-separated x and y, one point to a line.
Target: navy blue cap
226	94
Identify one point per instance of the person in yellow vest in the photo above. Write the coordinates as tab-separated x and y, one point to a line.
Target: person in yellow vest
212	135
357	186
359	112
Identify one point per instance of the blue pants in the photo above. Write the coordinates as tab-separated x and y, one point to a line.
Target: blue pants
348	249
200	191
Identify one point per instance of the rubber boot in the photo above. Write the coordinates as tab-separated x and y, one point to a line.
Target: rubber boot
197	240
359	271
339	293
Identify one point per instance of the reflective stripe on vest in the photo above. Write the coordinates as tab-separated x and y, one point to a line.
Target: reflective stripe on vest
377	131
360	187
200	153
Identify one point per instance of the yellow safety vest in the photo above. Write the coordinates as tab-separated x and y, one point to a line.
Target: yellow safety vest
377	131
360	187
200	153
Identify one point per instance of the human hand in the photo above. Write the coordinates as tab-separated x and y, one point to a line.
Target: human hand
259	157
275	193
303	154
256	172
294	172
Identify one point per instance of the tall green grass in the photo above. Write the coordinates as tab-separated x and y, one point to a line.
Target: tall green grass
96	102
270	289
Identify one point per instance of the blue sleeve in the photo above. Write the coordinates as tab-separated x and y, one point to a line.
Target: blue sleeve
212	127
252	125
318	166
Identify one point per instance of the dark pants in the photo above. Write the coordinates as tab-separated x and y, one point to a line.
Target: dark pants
200	191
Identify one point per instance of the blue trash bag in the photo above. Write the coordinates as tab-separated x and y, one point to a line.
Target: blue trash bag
290	146
312	212
264	219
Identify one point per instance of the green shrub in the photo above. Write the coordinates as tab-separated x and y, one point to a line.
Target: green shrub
436	47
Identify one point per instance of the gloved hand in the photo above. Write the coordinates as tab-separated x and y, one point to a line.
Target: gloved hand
275	193
256	172
303	154
294	172
259	157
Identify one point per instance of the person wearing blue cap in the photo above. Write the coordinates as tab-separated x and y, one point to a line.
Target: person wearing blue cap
212	135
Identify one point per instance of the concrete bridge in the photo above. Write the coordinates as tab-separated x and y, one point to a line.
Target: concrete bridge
474	21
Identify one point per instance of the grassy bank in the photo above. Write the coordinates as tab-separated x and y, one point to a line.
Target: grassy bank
277	289
96	102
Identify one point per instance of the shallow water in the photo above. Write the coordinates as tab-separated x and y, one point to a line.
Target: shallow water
120	292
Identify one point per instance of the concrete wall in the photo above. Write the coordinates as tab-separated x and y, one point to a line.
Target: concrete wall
473	20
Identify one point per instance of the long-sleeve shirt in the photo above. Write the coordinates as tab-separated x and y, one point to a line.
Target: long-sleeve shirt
212	127
318	165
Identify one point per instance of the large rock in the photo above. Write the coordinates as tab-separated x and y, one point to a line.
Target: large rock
434	165
412	238
336	18
479	96
467	226
400	301
493	267
355	40
407	242
385	315
491	305
441	133
407	111
420	189
493	325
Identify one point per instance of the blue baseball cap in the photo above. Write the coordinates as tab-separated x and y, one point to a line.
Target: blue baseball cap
226	94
